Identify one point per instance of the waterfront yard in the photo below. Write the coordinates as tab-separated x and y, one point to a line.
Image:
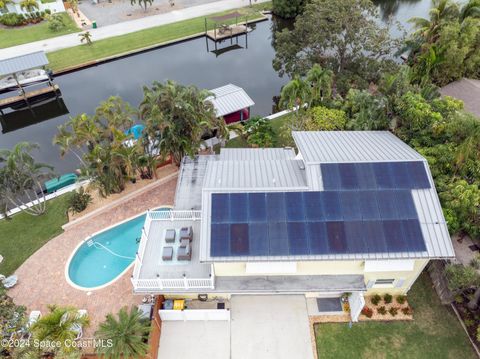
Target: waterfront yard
24	234
118	45
434	333
21	35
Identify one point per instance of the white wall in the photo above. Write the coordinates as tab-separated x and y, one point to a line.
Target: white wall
56	6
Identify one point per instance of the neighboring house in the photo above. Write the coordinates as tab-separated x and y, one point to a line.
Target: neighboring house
352	212
467	90
53	6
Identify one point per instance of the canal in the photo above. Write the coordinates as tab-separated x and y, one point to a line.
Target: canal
188	62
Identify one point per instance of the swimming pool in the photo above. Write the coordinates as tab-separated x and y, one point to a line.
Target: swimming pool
102	258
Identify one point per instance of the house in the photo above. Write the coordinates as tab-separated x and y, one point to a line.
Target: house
15	7
350	212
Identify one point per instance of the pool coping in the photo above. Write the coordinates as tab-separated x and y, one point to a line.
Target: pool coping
67	265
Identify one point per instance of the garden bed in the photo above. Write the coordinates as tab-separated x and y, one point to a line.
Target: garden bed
397	309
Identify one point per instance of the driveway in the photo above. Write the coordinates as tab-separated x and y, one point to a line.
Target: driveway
270	327
266	327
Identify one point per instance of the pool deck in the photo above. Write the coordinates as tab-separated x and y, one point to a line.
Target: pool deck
42	276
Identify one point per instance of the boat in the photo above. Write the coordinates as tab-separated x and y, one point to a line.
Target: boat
57	183
24	78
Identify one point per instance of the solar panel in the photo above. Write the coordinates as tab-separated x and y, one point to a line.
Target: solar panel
330	176
314	223
337	242
365	176
383	176
220	208
419	175
257	210
297	238
295	206
238	207
348	176
401	175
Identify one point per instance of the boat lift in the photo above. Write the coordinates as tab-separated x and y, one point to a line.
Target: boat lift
223	31
20	73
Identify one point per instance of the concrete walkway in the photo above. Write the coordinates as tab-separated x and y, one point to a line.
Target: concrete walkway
71	40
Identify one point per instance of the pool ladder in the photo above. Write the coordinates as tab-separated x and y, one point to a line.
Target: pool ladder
90	242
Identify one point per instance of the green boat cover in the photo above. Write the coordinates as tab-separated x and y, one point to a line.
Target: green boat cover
59	182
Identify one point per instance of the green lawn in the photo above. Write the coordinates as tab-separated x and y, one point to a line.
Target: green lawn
278	127
24	234
102	49
21	35
435	333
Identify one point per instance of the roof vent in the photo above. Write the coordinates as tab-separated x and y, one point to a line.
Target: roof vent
273	180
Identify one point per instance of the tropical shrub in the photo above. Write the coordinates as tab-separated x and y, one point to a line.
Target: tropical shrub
382	310
55	22
376	299
366	111
259	132
387	298
80	200
401	299
460	277
324	119
393	311
12	19
368	312
475	262
128	333
288	9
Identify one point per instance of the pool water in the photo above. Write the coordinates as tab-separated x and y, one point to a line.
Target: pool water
106	255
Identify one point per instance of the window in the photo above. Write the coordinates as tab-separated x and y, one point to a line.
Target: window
384	281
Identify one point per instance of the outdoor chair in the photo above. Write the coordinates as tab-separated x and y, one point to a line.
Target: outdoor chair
185	253
170	236
8	282
184	242
167	253
33	317
186	233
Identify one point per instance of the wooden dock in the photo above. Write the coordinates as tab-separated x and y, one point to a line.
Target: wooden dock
230	31
10	101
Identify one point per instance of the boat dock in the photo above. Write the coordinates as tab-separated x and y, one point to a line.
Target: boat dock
26	96
227	32
223	28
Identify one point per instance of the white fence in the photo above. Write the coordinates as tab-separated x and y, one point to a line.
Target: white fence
194	314
156	284
174	215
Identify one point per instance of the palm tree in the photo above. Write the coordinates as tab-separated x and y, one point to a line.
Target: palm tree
60	326
29	5
470	9
428	29
320	81
85	36
295	94
177	116
65	141
21	177
142	3
127	332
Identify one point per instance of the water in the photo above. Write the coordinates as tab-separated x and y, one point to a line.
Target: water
106	255
186	63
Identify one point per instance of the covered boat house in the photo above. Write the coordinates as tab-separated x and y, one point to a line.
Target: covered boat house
231	102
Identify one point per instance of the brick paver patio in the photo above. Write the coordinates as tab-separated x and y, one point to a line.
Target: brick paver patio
42	277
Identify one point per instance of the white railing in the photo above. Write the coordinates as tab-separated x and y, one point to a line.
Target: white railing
174	215
148	221
158	284
142	246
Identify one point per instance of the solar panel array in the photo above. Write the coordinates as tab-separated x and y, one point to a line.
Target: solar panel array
365	208
378	175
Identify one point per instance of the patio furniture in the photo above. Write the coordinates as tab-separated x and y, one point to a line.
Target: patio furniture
186	233
167	253
185	253
8	282
170	235
184	242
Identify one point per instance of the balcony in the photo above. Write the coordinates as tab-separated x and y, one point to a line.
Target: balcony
152	274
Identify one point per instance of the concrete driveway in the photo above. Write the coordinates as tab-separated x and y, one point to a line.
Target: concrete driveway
270	327
195	340
266	327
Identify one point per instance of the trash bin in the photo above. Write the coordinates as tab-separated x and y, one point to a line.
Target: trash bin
94	24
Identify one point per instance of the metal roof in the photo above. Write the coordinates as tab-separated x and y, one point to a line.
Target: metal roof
229	99
255	175
22	63
352	146
256	154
